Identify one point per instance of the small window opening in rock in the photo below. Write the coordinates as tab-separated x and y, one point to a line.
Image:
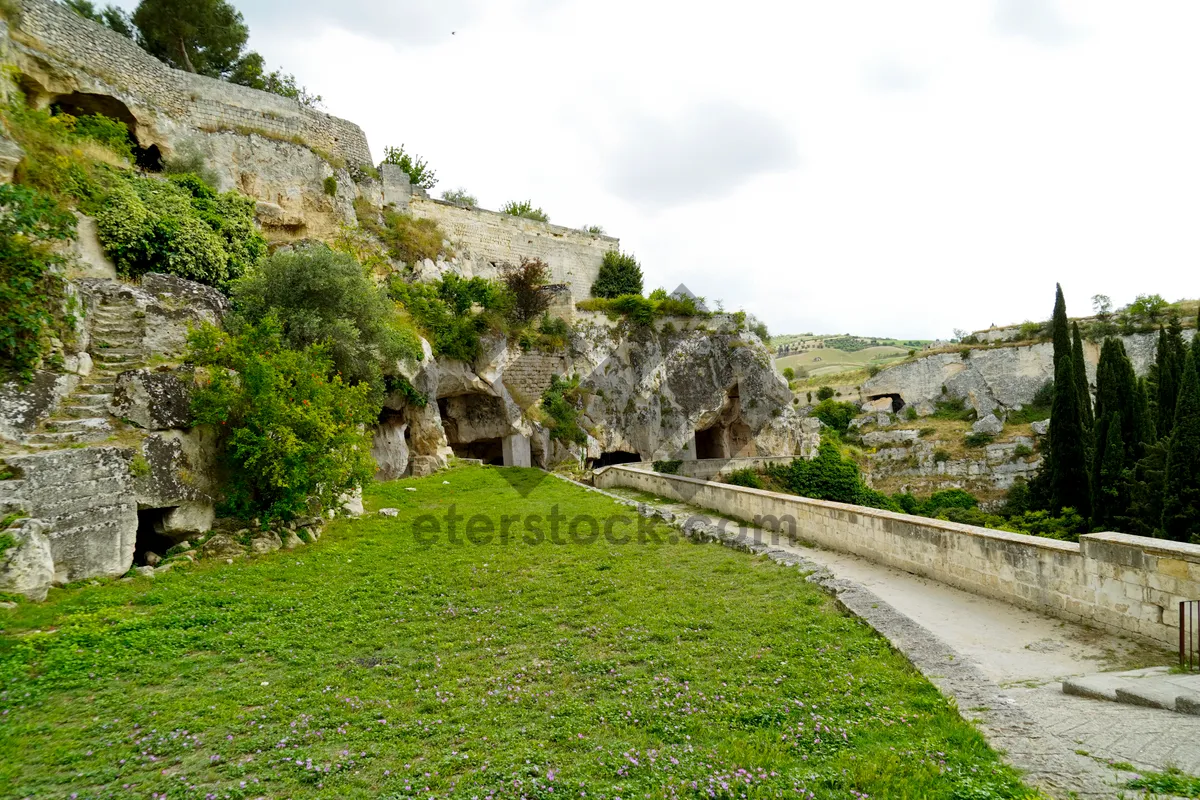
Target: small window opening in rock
615	457
897	401
712	442
148	158
150	538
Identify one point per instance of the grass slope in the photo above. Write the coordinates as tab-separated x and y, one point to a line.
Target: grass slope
833	362
367	665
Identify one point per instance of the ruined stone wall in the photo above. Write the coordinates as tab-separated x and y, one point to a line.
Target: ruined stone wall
485	240
529	375
1129	585
63	52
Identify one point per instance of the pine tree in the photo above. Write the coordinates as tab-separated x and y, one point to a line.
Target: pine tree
1069	479
1081	381
1111	503
1059	329
1181	495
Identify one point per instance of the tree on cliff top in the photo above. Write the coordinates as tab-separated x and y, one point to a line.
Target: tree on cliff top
201	36
619	274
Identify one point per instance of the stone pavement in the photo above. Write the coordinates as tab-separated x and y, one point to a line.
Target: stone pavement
1155	687
1003	666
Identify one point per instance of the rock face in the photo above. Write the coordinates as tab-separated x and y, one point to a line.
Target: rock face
990	424
23	406
1001	377
155	400
389	448
27	568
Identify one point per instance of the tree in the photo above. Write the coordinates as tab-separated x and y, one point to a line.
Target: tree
1081	381
1069	479
320	297
201	36
250	70
1102	305
524	209
417	169
619	274
1165	375
1109	495
111	17
1148	307
1181	494
526	282
1059	329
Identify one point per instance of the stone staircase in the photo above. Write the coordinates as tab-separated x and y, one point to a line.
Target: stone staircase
117	328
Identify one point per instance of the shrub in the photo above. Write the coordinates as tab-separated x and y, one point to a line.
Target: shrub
69	168
836	415
952	409
292	439
1038	408
524	282
460	197
561	402
331	186
670	467
745	477
760	330
828	477
910	413
979	439
31	286
926	432
789	373
620	274
444	311
873	370
940	456
398	385
948	498
418	171
326	298
594	230
408	239
108	132
181	227
824	393
1022	451
525	209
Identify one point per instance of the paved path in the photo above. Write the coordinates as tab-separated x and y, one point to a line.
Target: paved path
1007	666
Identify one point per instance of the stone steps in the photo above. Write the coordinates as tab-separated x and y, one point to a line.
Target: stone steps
1156	687
82	432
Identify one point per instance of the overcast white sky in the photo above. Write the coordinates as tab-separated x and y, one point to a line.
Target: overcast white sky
881	168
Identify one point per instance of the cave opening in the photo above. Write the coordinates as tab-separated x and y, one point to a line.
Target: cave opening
150	538
615	457
897	401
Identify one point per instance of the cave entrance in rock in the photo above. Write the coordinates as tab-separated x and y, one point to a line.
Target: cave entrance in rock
82	104
475	426
897	401
150	538
615	457
728	436
711	443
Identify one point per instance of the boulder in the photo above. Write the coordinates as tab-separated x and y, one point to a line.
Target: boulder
266	542
27	568
24	405
10	155
172	306
988	424
426	465
389	448
222	545
152	399
389	512
1041	427
352	503
191	517
291	541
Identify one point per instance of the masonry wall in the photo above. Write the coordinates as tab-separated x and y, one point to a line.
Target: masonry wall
488	240
54	45
708	468
529	375
1128	585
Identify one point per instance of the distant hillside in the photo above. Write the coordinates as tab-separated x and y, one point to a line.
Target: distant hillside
813	356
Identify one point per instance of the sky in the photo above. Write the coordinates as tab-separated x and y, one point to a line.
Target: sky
873	167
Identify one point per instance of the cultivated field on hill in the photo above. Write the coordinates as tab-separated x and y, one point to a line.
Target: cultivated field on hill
374	663
827	361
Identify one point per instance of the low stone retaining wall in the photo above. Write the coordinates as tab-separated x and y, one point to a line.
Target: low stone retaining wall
1130	585
707	468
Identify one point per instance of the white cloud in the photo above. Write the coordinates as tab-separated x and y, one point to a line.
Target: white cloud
1039	20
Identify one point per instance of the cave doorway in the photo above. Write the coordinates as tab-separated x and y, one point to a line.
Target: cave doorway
615	457
711	443
476	425
489	451
897	401
150	538
728	436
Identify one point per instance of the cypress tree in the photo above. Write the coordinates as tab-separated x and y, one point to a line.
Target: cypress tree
1111	504
1081	381
1069	478
1181	495
1166	385
1059	330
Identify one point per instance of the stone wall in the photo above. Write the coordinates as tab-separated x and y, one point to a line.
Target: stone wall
529	375
1127	585
486	240
61	53
708	468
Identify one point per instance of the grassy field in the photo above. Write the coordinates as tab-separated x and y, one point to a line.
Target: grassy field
374	664
833	362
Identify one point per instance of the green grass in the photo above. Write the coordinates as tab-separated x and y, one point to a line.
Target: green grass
366	665
1172	782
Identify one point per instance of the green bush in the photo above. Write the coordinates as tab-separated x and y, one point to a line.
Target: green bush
789	373
181	227
910	413
408	239
745	477
824	393
108	132
620	274
292	439
524	284
948	498
326	298
1037	409
460	197
829	477
979	439
525	209
418	171
1022	451
443	310
561	402
69	168
331	186
941	456
836	415
668	467
31	286
760	330
952	409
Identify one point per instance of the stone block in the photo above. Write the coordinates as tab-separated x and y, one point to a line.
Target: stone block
27	568
154	400
516	451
